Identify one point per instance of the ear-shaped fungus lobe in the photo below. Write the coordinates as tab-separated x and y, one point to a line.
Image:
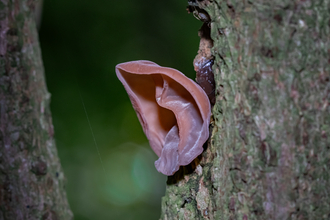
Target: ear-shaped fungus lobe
173	110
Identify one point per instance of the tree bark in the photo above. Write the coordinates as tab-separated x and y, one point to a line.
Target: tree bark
268	156
31	178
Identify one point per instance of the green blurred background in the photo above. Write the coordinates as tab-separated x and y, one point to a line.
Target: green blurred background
81	43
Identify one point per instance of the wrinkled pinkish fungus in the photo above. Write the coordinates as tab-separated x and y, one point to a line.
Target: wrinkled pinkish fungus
173	110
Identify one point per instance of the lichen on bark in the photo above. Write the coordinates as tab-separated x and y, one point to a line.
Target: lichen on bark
268	156
31	178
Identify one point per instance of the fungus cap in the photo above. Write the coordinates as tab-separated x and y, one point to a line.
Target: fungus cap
173	110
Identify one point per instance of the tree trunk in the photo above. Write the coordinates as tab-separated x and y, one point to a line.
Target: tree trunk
31	178
269	152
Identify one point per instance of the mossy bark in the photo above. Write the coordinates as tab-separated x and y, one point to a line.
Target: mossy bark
31	178
269	153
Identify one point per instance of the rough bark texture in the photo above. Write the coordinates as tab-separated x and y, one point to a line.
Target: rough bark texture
269	153
31	178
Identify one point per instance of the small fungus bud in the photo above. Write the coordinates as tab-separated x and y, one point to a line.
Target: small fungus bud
39	167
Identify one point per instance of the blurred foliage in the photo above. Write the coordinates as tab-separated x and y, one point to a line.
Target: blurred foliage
81	43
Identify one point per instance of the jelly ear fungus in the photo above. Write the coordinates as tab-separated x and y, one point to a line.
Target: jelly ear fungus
204	60
173	110
203	63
